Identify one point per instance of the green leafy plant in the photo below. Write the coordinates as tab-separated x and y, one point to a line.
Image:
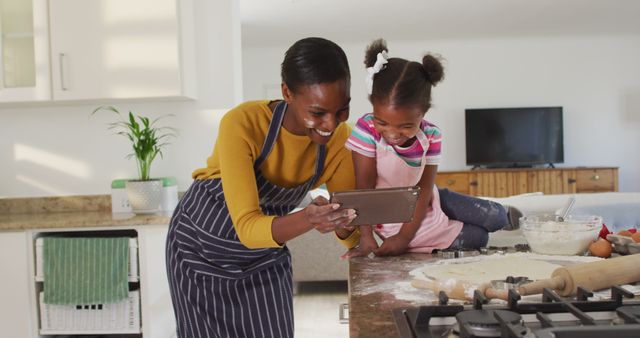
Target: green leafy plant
147	139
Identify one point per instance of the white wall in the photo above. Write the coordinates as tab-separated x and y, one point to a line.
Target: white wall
595	79
58	149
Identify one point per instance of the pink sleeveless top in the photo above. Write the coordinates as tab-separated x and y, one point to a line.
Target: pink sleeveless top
436	231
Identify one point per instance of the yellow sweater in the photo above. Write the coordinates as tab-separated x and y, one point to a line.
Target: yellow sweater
241	136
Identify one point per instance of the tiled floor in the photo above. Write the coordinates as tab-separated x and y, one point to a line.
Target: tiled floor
316	306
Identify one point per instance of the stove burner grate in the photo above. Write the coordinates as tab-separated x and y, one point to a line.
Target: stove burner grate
486	323
507	321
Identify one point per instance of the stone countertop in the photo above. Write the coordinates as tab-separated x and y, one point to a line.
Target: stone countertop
377	286
69	212
77	219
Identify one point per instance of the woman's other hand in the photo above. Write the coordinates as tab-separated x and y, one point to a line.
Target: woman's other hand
392	246
325	216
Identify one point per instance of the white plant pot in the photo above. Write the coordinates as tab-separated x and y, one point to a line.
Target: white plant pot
144	196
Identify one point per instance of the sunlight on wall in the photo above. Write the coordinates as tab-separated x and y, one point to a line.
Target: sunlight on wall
65	165
119	12
42	186
145	60
140	53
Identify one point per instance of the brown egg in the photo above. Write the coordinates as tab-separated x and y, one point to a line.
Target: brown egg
601	248
626	233
636	237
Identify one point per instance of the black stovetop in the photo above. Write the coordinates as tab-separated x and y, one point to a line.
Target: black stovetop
553	316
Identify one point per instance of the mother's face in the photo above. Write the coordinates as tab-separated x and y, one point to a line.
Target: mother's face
316	110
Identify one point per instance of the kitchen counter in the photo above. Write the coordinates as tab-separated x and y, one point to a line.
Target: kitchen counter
69	212
377	286
75	219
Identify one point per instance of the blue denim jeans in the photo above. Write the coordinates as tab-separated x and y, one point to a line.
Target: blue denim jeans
479	218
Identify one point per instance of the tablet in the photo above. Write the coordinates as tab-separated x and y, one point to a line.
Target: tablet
379	206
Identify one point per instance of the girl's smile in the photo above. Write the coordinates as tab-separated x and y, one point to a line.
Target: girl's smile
397	125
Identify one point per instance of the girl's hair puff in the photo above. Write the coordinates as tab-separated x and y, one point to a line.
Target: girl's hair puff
403	83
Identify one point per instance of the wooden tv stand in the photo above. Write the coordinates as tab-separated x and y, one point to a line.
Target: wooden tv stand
508	181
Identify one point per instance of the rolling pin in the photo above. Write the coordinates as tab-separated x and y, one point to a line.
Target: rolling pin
564	280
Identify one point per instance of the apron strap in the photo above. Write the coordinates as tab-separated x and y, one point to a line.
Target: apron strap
272	134
321	155
422	138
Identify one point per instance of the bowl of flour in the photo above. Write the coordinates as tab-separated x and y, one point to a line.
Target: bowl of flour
546	235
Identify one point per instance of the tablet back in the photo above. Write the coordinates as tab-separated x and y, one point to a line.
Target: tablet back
379	206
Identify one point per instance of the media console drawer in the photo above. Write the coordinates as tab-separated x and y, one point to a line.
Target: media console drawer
596	180
458	182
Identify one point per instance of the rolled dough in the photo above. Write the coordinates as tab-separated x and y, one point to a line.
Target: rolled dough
484	271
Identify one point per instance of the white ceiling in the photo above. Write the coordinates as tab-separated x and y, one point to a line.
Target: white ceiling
270	22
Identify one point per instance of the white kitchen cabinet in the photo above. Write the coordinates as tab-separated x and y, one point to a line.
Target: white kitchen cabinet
122	49
157	310
24	51
15	306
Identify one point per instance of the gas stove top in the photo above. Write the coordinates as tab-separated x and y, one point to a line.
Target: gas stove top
553	316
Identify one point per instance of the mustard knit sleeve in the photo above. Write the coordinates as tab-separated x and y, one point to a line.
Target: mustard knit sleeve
237	152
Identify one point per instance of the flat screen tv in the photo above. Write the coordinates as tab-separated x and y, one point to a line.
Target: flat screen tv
514	137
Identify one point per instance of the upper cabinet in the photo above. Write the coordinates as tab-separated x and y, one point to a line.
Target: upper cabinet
121	49
24	51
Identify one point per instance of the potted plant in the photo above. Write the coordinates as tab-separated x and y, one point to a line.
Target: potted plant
147	141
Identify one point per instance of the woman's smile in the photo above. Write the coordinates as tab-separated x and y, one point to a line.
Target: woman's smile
323	133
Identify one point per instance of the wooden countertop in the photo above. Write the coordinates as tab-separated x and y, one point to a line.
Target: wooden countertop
377	286
69	212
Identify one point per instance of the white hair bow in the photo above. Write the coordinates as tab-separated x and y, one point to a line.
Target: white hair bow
381	60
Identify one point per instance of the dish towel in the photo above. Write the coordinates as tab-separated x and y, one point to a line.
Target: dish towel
85	270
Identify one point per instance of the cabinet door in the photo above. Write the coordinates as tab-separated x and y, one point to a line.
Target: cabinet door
15	309
116	49
596	180
158	319
24	51
498	183
550	181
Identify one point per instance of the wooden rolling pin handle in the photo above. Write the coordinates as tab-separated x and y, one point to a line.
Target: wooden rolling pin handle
491	293
553	283
455	290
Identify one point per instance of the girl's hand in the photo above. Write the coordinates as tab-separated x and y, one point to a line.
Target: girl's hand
392	246
326	217
367	246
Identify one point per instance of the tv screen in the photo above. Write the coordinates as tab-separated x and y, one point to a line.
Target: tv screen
514	137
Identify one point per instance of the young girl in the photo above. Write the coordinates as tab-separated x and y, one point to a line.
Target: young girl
395	146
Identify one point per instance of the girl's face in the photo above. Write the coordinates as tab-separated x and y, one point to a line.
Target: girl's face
316	110
398	125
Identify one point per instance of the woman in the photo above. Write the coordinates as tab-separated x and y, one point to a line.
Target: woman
229	269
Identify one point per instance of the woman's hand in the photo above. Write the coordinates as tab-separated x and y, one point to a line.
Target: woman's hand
392	246
326	217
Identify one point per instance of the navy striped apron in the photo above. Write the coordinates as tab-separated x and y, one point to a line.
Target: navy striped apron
219	287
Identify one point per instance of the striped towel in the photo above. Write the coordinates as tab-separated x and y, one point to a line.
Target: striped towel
85	270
